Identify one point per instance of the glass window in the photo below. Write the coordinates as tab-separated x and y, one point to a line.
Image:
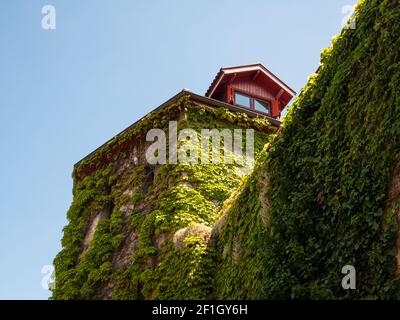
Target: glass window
242	100
262	106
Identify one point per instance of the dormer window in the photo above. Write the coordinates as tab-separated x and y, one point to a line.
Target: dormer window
251	87
242	100
262	106
245	101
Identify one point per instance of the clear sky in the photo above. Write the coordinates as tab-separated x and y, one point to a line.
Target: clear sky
64	92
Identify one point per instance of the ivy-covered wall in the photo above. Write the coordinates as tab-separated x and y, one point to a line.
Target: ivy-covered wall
238	242
141	231
330	169
325	193
329	176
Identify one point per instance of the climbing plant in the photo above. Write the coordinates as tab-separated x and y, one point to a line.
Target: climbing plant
330	168
316	201
148	206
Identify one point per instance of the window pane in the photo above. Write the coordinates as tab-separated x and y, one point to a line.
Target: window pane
262	106
242	100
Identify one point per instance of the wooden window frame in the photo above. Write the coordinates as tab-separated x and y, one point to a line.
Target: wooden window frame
264	101
252	105
242	94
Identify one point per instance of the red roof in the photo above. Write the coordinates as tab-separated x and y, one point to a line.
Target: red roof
281	90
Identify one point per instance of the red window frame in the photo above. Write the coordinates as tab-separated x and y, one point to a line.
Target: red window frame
252	105
264	101
242	94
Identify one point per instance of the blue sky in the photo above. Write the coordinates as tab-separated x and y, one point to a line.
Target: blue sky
64	92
